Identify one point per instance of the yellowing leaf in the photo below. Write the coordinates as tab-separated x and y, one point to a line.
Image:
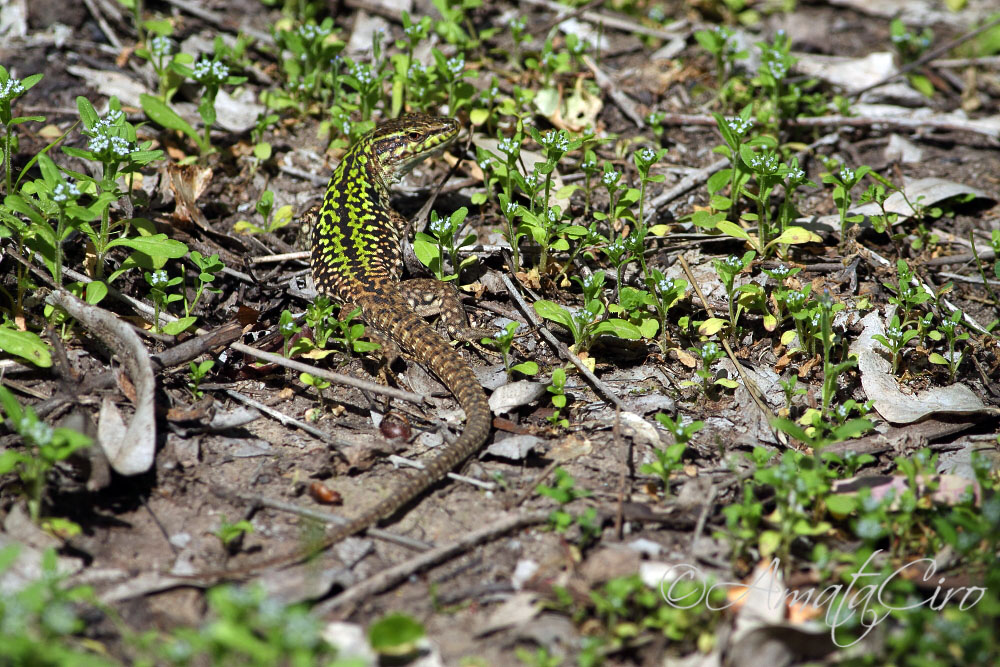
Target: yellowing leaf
793	235
711	326
478	116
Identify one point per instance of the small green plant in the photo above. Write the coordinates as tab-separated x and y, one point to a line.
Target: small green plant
895	339
246	626
557	387
670	459
287	327
503	340
709	353
208	268
199	371
395	635
910	47
317	383
829	424
564	492
228	532
843	182
791	389
273	220
951	332
46	199
159	282
540	658
351	332
44	447
113	144
586	323
167	64
10	90
42	622
721	43
211	75
728	269
320	320
665	293
432	249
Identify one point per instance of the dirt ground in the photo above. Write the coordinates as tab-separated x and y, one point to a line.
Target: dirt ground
480	603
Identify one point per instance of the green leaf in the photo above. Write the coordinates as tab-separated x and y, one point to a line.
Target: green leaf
176	327
87	112
840	505
26	345
157	245
395	634
426	250
526	367
554	312
618	327
163	115
479	116
936	358
732	229
95	292
768	542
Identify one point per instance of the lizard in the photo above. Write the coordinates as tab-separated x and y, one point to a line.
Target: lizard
356	259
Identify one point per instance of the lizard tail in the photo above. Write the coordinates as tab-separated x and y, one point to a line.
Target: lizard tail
388	313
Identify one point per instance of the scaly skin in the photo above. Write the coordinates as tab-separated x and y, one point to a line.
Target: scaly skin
356	259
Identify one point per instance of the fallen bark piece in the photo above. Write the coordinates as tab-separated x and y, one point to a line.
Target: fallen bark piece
132	453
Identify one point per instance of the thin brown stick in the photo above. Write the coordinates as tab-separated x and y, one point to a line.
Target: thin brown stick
621	100
601	388
929	56
394	575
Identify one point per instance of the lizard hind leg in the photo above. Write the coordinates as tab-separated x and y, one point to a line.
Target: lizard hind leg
428	297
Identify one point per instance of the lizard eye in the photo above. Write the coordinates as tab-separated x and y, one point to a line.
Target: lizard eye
413	137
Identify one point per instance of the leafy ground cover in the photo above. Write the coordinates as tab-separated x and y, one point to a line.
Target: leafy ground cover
742	264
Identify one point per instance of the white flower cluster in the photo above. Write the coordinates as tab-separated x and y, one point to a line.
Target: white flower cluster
794	300
105	147
64	191
10	89
508	146
210	71
363	73
610	178
439	227
456	65
767	164
739	126
311	32
777	69
557	139
160	46
38	432
158	278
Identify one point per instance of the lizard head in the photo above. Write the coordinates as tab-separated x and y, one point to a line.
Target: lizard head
401	143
